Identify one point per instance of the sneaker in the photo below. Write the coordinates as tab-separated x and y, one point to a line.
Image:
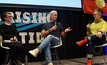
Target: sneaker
82	42
34	52
50	63
89	62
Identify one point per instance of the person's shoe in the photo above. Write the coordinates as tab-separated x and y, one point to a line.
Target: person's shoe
34	52
89	62
82	42
50	63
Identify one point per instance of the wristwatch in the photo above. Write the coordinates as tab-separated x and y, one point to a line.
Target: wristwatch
49	30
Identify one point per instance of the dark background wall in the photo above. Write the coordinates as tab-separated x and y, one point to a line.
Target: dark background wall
69	17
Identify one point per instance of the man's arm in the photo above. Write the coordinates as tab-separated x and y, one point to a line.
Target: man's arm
103	30
63	33
88	29
44	33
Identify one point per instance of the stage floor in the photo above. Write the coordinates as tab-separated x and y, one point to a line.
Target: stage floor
76	61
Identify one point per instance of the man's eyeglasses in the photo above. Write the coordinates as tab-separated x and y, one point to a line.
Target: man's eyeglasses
10	16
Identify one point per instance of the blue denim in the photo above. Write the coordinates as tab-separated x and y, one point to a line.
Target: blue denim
46	44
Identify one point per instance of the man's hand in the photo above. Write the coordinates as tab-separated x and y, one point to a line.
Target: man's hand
68	29
99	34
13	39
88	26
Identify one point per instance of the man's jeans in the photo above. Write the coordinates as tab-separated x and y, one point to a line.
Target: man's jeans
46	44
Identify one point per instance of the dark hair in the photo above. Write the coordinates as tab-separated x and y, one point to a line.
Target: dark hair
5	15
99	11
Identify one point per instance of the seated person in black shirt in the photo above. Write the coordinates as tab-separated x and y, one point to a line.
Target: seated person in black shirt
8	31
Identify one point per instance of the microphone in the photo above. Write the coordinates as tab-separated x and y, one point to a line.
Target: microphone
55	25
90	22
55	22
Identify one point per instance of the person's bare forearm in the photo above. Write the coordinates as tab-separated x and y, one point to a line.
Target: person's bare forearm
45	33
63	34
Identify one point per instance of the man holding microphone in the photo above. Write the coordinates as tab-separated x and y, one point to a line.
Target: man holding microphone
52	32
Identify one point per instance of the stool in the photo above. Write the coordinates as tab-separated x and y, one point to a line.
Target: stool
55	55
100	52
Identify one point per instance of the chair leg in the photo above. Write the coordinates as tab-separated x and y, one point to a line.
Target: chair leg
19	61
26	60
102	58
100	54
56	56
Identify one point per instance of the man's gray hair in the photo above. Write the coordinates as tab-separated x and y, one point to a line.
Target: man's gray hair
52	12
49	15
99	11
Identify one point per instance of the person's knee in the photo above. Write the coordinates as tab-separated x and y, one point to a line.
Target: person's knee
49	36
90	43
19	45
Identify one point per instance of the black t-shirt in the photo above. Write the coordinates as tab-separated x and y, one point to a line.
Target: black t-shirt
57	32
8	31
